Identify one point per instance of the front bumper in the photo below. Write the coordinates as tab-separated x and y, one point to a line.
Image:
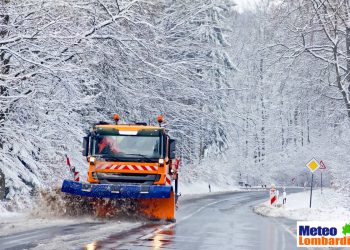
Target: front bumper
120	191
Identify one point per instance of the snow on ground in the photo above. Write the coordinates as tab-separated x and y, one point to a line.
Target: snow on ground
330	205
202	188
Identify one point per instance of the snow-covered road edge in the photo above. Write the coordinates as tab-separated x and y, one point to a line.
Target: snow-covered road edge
330	205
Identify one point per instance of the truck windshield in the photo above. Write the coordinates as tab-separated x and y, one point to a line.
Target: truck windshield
132	147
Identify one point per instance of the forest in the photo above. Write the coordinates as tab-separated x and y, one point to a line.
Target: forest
248	95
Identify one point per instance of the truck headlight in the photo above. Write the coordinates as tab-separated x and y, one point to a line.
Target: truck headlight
92	160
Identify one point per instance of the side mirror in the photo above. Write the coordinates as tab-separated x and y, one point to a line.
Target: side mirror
172	149
86	141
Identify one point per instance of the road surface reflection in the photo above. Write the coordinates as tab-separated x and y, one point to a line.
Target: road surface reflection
157	237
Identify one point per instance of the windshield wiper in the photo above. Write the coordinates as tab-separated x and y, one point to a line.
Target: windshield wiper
143	156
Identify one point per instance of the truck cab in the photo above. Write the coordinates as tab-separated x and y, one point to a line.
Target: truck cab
129	154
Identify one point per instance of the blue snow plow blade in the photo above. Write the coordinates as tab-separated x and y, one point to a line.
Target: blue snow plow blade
115	191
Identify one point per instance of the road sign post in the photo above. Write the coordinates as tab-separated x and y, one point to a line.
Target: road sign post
322	167
313	165
312	180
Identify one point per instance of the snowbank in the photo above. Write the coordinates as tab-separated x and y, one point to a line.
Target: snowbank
330	205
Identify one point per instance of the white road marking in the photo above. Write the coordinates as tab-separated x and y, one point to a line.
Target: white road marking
285	228
150	235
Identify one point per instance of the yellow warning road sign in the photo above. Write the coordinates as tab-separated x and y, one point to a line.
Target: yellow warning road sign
313	165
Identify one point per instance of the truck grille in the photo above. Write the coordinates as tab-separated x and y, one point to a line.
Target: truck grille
115	178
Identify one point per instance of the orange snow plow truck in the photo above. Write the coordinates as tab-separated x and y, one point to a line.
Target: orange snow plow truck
130	162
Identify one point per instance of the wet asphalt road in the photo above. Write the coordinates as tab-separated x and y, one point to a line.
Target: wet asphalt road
223	221
217	221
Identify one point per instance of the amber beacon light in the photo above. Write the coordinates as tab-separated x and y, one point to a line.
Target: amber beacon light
160	119
116	118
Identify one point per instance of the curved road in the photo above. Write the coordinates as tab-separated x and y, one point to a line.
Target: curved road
217	221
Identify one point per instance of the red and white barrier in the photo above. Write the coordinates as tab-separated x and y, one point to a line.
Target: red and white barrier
76	176
273	196
72	169
167	179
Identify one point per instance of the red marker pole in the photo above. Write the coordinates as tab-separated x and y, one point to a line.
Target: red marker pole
68	163
72	169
